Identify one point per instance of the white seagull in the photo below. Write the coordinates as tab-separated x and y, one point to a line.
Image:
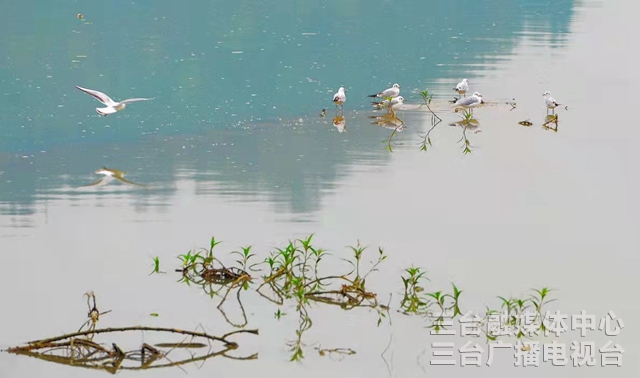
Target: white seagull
339	98
462	87
394	91
393	104
470	102
112	106
550	102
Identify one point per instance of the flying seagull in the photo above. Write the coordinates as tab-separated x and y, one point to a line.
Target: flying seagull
112	106
110	175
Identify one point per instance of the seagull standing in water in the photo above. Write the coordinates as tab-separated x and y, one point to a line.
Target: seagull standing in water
462	87
394	91
470	102
395	103
339	98
550	102
110	175
112	106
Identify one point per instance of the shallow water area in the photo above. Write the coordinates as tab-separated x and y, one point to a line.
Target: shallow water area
233	146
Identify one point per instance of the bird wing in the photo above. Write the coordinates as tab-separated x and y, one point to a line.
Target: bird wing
467	101
116	172
129	100
128	182
99	182
103	98
393	92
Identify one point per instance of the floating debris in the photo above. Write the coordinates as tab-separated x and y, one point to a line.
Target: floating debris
525	123
80	350
77	350
79	16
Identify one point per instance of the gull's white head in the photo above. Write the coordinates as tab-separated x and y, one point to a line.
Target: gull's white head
400	99
396	86
547	93
341	89
465	81
477	94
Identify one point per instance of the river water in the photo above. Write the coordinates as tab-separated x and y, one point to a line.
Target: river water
232	146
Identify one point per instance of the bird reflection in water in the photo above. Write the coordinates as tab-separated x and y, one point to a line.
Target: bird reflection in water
388	121
470	124
467	123
340	123
551	122
391	104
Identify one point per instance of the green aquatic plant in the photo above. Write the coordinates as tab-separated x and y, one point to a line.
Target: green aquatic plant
294	273
436	305
448	307
467	119
393	133
412	301
216	279
517	316
156	266
435	120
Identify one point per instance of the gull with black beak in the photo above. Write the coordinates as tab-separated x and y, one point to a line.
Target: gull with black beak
394	91
112	106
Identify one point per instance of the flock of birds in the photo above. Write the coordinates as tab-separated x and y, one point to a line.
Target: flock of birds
391	96
393	100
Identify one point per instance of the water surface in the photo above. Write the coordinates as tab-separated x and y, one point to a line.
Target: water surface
233	147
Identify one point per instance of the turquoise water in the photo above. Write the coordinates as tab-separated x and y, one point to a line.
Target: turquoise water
233	146
184	56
